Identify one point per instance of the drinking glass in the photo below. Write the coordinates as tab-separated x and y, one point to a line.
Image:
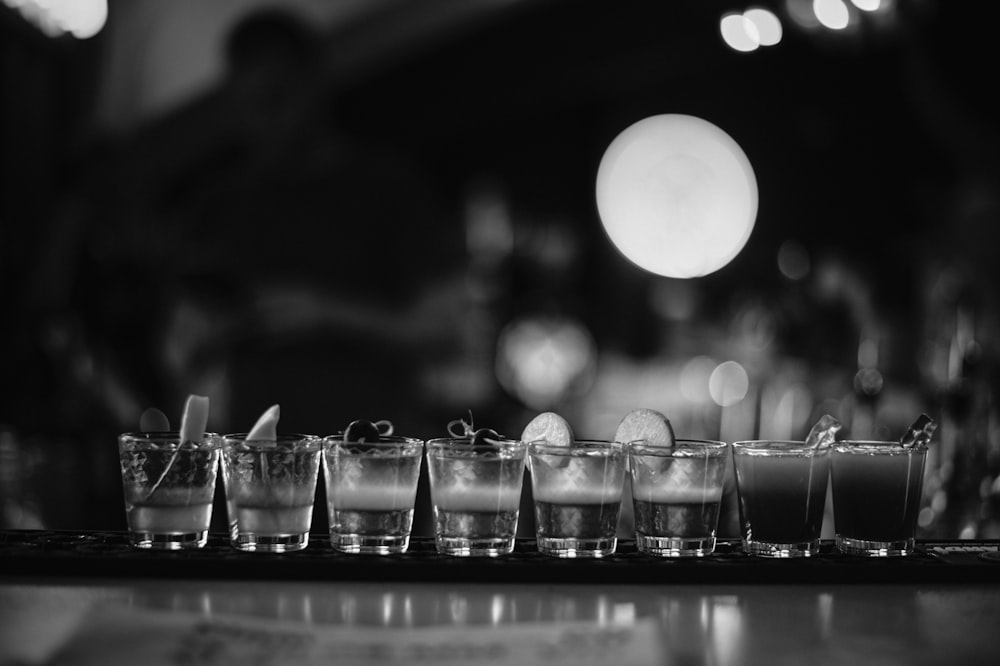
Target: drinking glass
476	494
371	488
270	490
169	488
577	493
676	495
877	488
781	486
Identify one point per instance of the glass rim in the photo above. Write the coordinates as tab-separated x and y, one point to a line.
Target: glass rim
387	441
710	445
876	446
163	436
778	447
240	438
577	445
463	446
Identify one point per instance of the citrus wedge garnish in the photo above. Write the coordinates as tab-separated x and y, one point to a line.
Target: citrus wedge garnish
266	428
647	425
194	420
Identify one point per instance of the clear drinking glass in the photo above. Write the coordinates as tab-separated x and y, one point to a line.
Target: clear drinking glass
877	487
371	488
169	488
577	492
781	487
676	495
476	494
270	490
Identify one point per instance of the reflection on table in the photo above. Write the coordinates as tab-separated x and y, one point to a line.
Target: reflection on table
690	624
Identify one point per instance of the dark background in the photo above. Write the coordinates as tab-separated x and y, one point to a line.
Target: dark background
348	213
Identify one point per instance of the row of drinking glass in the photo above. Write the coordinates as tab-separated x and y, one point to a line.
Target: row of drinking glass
476	489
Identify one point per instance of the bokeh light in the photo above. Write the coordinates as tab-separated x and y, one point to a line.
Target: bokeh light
793	260
832	14
728	384
677	195
82	19
543	360
766	23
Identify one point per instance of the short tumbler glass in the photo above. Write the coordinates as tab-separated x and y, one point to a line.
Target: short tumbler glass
877	488
676	495
476	494
169	488
577	492
371	488
781	487
270	490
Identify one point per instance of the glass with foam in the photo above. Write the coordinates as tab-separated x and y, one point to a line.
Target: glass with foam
476	494
781	486
270	490
577	493
169	488
877	488
371	488
676	495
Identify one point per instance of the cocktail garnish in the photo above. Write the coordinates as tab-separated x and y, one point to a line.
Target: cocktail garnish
266	427
153	420
548	427
362	431
265	430
647	425
194	420
919	433
823	433
460	428
485	436
193	423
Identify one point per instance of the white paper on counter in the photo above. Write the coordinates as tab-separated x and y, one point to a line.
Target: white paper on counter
118	635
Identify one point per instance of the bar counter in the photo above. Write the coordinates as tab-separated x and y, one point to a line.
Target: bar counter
88	598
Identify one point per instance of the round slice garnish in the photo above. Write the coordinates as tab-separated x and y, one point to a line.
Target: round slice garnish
153	420
362	431
648	425
195	419
548	427
266	428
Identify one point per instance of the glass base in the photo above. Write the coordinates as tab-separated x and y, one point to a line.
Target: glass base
780	550
571	547
866	548
483	547
269	543
674	546
367	544
168	540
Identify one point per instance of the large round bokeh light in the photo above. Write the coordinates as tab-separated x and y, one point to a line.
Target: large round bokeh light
677	195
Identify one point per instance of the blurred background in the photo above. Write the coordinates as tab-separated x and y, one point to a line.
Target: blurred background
385	209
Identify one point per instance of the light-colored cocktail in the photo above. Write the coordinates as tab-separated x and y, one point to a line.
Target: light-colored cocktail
476	494
577	491
169	488
270	490
371	488
676	494
782	493
877	490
